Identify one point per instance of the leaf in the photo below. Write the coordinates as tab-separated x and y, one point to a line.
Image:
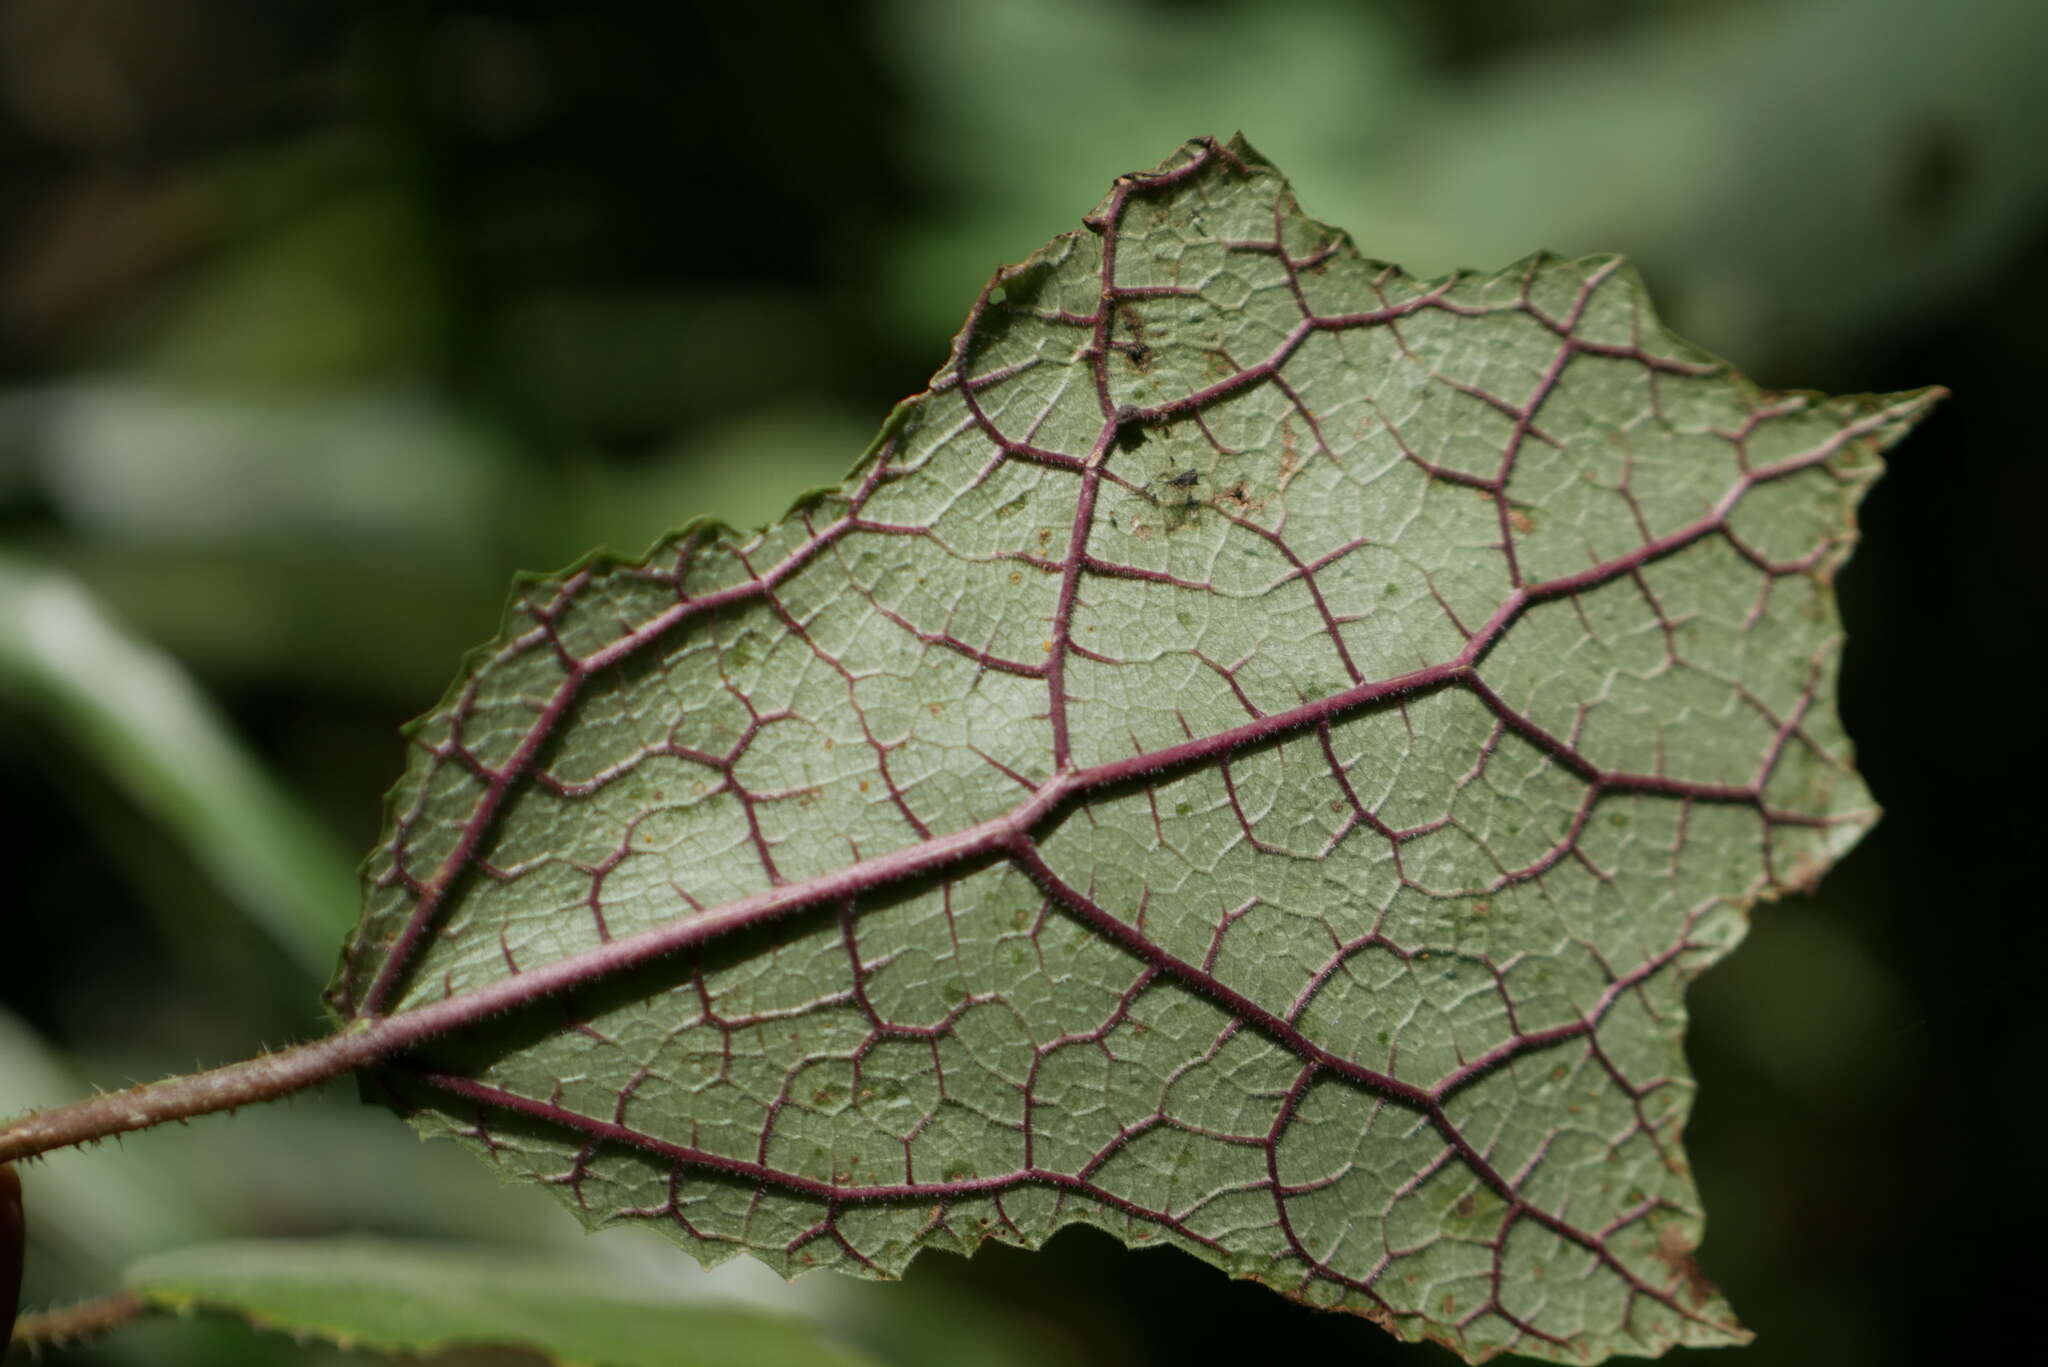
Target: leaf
1249	760
394	1297
136	713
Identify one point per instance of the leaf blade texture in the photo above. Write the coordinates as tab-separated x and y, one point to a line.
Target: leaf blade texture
1249	760
402	1297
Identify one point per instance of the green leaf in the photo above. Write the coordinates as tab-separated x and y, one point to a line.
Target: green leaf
136	713
1249	760
395	1297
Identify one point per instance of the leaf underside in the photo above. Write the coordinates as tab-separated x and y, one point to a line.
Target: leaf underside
1249	760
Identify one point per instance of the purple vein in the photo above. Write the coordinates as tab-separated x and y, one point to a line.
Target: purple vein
999	834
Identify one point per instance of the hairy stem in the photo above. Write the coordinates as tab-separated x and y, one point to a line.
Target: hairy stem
262	1078
371	1039
56	1328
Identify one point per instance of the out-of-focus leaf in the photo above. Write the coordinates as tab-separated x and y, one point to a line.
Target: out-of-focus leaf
1822	140
1321	87
1250	760
741	471
395	1297
323	619
342	289
137	715
153	462
99	1211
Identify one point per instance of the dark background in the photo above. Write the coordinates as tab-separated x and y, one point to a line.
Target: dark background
319	320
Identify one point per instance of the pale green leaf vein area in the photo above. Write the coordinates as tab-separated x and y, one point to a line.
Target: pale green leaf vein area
394	1297
1250	760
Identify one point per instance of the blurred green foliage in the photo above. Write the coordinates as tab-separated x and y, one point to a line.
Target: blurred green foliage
318	321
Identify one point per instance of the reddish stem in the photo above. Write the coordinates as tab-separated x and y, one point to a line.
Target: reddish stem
12	1241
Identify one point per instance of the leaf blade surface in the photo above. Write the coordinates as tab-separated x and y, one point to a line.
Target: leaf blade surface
1249	760
405	1298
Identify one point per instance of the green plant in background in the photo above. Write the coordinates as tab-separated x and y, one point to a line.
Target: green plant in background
1249	760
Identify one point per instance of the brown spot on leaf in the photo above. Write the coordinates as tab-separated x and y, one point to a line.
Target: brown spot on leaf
1521	521
1240	495
1803	876
1674	1250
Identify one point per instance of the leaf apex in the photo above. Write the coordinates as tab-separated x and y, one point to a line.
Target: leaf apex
1412	628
